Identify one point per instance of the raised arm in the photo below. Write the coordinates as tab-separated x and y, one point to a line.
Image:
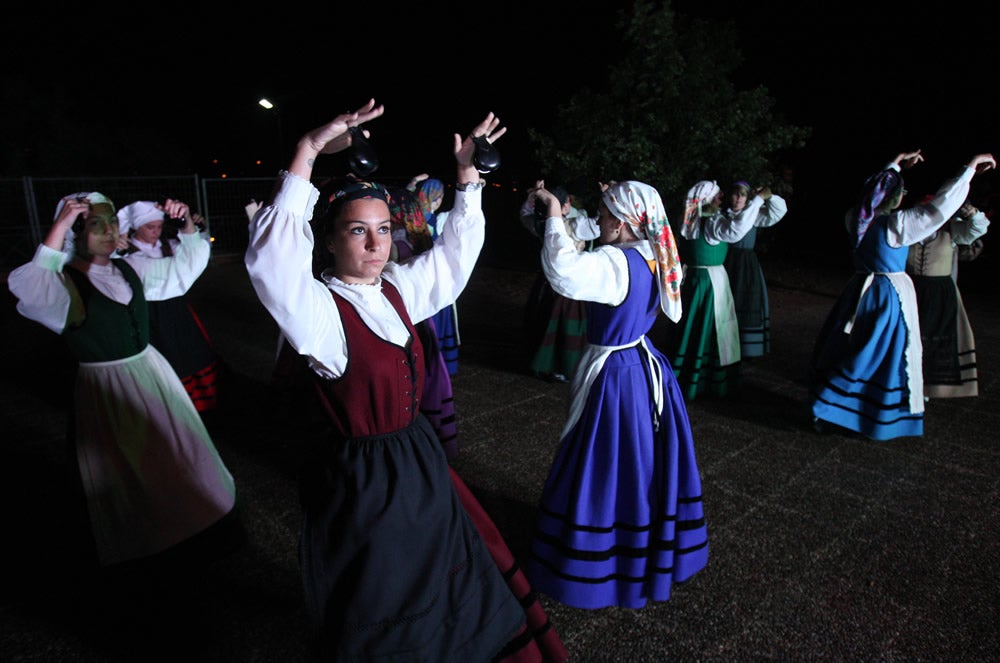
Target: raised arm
435	278
330	138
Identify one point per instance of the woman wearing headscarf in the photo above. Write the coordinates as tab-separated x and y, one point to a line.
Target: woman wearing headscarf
174	327
705	346
555	327
429	194
156	488
746	278
866	374
621	517
411	237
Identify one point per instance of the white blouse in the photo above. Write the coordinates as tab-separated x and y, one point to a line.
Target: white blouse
279	261
598	276
43	293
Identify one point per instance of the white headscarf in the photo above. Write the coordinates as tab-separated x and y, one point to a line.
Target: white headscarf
639	205
137	214
94	198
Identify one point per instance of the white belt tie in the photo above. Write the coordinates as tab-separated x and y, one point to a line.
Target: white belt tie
594	359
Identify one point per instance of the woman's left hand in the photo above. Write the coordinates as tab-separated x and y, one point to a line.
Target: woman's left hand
464	149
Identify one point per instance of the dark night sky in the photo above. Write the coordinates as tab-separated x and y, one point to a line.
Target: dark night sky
870	85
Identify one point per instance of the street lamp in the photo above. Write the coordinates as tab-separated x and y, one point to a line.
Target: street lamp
268	105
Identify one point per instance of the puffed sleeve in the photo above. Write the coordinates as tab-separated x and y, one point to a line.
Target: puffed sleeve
165	278
42	289
435	278
279	262
966	231
909	226
772	211
719	228
595	276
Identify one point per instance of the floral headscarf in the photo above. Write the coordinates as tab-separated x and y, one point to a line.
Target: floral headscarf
429	191
406	212
878	188
698	196
639	206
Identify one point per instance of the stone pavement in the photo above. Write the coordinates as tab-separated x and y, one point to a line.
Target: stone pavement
823	547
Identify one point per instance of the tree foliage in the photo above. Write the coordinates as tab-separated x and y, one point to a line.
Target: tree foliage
670	114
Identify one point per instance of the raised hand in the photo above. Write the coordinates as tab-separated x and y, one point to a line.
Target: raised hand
334	137
982	162
908	159
464	149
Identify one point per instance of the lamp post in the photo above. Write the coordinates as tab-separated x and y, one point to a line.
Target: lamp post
269	105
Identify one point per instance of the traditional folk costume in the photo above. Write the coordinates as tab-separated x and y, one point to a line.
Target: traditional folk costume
866	373
949	358
746	278
621	517
152	477
705	345
556	326
445	320
438	400
175	329
393	565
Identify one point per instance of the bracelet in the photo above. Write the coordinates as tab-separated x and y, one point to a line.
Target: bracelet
470	186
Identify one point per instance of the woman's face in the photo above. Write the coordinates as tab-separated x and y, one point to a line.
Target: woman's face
149	232
609	225
716	200
738	199
360	240
100	233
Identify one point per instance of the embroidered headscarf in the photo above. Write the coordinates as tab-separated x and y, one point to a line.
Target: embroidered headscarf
878	188
429	192
406	211
698	198
639	206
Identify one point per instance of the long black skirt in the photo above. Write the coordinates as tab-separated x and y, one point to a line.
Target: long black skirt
393	566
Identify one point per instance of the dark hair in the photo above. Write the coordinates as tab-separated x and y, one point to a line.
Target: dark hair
334	196
542	208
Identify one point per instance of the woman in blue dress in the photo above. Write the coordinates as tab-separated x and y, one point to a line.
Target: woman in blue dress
866	373
621	516
429	195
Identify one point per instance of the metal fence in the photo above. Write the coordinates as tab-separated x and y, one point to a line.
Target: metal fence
28	204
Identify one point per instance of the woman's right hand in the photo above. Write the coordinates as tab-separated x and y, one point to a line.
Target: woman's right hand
72	208
334	137
908	159
330	138
982	162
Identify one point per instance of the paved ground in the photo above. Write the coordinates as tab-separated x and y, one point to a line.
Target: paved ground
823	547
